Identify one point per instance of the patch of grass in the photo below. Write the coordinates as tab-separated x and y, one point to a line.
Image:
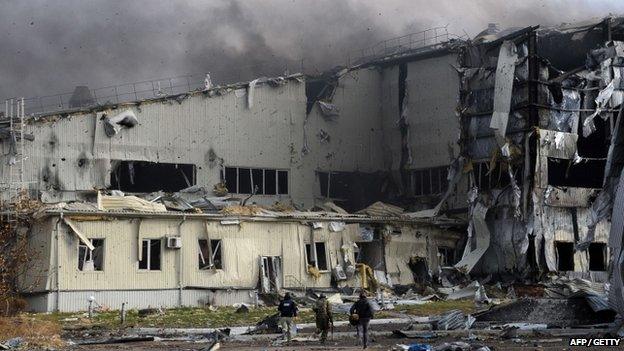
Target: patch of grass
225	316
36	332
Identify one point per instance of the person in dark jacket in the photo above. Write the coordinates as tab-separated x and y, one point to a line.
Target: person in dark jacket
364	312
288	310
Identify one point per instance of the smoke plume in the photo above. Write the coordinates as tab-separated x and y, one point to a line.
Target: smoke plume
48	47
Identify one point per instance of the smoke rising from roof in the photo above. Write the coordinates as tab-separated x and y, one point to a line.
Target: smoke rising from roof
48	47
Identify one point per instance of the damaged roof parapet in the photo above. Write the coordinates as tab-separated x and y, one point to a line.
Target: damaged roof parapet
179	98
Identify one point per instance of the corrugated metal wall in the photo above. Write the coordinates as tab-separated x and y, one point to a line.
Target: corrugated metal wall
73	153
242	246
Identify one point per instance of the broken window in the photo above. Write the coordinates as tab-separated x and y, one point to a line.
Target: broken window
429	181
321	256
270	181
265	181
585	174
210	256
565	256
89	260
597	256
147	177
335	185
282	182
151	252
595	145
446	256
487	179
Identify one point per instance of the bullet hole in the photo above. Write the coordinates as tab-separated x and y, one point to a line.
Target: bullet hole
63	159
82	162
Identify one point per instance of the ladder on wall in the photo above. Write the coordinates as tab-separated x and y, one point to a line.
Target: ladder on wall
13	184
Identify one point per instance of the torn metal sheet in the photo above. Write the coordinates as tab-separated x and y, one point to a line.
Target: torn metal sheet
564	287
517	193
317	225
565	114
451	320
337	226
112	125
601	103
453	177
505	70
616	291
79	233
482	233
557	144
382	210
568	197
328	110
112	203
250	92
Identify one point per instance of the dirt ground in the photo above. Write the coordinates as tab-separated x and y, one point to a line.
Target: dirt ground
380	343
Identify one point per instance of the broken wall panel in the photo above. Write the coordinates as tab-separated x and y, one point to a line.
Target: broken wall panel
557	144
569	196
563	116
354	134
558	225
433	87
72	153
390	117
240	247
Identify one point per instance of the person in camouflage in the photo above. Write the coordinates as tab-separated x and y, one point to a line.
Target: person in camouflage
324	318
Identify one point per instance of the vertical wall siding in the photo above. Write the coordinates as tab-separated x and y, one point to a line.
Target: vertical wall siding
73	153
242	246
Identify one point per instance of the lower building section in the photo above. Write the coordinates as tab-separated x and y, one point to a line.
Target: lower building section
73	301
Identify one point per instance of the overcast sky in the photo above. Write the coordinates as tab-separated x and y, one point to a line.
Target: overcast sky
48	47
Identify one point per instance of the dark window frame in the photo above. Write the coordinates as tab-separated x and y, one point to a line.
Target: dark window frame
280	184
84	252
325	267
424	180
147	255
216	248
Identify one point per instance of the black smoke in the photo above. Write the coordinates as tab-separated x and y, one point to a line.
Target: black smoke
48	47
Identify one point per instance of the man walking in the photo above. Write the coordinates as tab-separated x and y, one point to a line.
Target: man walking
288	310
324	319
364	312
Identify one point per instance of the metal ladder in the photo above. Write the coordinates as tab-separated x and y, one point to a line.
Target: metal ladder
14	185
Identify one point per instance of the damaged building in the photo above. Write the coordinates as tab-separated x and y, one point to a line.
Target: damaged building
496	155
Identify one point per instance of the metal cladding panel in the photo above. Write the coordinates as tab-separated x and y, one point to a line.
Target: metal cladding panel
40	272
390	117
73	152
355	134
400	249
433	92
120	256
242	246
75	301
228	297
